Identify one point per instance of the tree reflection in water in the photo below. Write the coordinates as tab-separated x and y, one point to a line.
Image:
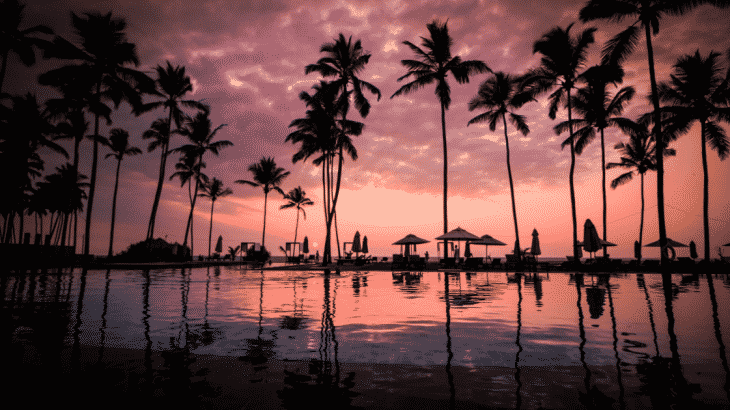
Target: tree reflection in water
718	334
259	350
518	394
321	387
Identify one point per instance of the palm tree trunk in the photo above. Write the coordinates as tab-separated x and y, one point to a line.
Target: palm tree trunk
337	194
603	186
324	205
77	142
511	185
659	141
114	210
160	180
4	69
572	175
296	228
210	230
92	182
263	234
21	225
187	224
446	182
641	226
705	194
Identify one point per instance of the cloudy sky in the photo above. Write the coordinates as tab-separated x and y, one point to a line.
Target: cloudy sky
246	59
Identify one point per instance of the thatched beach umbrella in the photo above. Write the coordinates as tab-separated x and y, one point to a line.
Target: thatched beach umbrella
365	245
409	240
670	244
487	240
457	235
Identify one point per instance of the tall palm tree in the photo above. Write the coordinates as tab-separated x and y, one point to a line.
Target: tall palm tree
12	38
268	176
646	14
188	169
500	95
599	110
214	190
434	64
104	58
119	144
171	86
637	156
563	56
699	92
322	132
65	191
297	199
345	61
200	136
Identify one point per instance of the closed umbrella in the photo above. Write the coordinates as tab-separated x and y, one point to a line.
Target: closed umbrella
535	247
365	245
692	250
591	240
219	244
356	243
305	245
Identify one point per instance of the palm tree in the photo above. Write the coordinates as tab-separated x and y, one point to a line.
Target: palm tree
321	133
104	57
213	189
119	144
64	192
12	38
200	138
171	86
433	65
599	111
268	176
500	95
647	14
563	57
637	156
297	199
190	168
699	92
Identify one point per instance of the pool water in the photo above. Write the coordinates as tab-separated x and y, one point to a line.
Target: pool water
227	337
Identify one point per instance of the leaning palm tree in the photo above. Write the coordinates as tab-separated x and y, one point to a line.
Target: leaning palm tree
103	70
297	199
500	95
345	61
638	157
433	66
12	38
214	190
171	86
599	110
268	176
200	136
646	15
119	144
563	56
699	91
189	169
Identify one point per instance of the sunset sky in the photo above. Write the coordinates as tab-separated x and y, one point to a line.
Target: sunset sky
246	60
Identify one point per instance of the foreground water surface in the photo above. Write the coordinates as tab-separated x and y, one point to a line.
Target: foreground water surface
226	337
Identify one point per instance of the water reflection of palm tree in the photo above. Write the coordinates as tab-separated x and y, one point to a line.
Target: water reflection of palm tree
146	323
615	345
76	349
450	353
259	350
718	335
642	284
295	320
107	282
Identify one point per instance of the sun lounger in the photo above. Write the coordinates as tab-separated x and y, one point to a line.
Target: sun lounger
473	263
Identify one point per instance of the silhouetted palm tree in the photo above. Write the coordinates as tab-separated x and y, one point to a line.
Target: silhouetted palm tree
599	111
190	168
104	57
647	14
200	137
297	199
562	59
637	155
171	86
500	95
268	176
12	38
699	92
322	132
433	65
64	191
344	61
119	144
213	189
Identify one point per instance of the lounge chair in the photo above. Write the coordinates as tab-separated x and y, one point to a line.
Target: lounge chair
399	261
385	259
473	263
